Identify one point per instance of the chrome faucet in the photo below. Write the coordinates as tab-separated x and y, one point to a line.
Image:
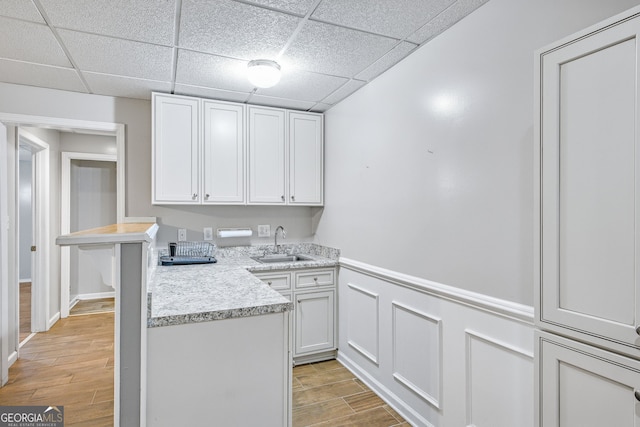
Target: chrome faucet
275	236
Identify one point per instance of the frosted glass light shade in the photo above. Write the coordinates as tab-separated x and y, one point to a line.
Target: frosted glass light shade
263	72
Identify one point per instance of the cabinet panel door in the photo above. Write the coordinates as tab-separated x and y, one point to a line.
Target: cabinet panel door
223	151
305	159
590	184
314	322
266	156
176	168
584	386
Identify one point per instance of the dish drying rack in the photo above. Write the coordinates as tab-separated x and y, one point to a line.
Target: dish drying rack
182	253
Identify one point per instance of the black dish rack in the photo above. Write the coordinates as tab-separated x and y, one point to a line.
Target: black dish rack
184	253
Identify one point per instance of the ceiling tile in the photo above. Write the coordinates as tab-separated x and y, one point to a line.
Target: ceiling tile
126	87
384	63
234	29
201	69
299	7
344	91
119	57
27	41
21	9
304	86
280	102
25	73
328	49
394	18
142	20
446	19
204	92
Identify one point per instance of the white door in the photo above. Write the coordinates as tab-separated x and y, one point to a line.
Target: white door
591	185
176	145
305	159
314	322
266	156
223	151
587	387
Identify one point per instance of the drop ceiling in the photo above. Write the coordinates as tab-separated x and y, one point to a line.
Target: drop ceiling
128	48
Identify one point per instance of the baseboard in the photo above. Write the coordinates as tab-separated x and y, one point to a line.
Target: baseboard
13	357
95	295
384	393
53	320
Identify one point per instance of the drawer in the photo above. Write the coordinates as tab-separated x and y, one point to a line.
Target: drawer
278	282
312	279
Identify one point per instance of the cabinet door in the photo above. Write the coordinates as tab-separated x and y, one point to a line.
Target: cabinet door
584	386
176	142
314	322
223	151
305	159
590	186
266	156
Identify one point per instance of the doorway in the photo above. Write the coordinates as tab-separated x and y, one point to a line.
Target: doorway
25	240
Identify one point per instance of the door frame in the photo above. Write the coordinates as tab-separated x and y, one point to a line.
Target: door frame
4	259
65	218
40	267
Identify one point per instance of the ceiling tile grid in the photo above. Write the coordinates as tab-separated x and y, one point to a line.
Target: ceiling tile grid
328	49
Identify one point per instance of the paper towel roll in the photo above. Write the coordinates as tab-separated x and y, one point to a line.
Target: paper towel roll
234	232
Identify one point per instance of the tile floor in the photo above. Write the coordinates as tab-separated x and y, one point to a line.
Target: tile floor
328	394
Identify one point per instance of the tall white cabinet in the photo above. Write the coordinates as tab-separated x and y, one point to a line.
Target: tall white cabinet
588	269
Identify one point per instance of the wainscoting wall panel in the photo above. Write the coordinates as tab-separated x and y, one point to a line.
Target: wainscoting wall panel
438	355
487	357
363	322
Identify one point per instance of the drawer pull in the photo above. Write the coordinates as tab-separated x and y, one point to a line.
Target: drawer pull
315	279
637	394
269	283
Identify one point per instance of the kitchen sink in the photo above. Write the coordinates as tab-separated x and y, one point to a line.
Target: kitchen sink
282	258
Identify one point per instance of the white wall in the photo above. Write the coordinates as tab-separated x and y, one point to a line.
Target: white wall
429	167
26	232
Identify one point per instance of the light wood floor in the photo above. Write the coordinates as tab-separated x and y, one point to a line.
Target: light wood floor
101	305
25	310
328	394
71	365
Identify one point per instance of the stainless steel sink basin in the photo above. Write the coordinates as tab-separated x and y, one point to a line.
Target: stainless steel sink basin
282	258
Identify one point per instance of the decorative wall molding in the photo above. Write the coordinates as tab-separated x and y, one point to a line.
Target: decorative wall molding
433	333
512	310
361	347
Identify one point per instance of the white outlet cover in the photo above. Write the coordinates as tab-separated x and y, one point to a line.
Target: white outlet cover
208	233
264	230
182	234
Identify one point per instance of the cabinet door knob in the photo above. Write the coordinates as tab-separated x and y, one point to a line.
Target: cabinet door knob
282	197
269	283
299	303
638	330
315	279
195	196
206	196
637	395
293	198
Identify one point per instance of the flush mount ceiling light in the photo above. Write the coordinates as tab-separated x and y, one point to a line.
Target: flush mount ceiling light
263	73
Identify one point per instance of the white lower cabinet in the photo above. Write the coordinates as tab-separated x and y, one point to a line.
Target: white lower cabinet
312	292
581	385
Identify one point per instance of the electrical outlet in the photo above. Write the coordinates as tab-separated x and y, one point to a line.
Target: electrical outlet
264	230
182	234
208	233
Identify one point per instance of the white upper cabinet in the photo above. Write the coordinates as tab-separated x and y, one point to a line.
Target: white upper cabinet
589	153
306	153
223	153
267	156
176	157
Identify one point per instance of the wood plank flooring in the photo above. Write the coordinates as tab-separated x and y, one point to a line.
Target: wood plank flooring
71	365
25	310
328	394
101	305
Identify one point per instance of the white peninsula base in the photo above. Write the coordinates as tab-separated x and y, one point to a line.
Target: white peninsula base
232	372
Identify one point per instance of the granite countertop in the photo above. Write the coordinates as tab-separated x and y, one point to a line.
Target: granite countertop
227	289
